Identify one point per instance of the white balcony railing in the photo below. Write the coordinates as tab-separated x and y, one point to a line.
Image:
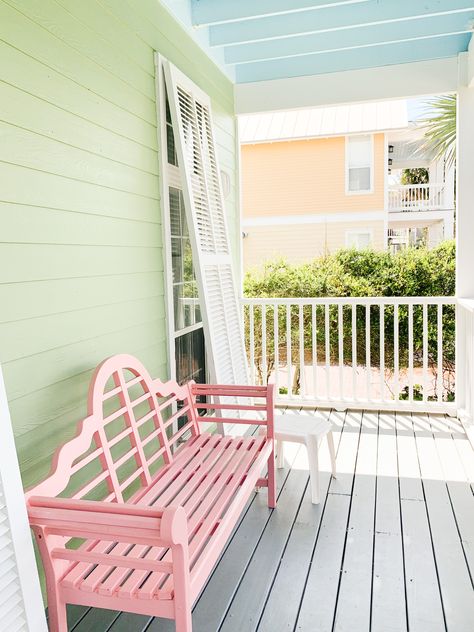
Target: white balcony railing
416	197
371	352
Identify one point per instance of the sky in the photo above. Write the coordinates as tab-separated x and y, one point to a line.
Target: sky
417	108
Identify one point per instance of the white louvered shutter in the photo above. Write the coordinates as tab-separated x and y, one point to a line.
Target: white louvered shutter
194	138
21	606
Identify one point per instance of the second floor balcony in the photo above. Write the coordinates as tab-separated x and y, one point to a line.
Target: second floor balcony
418	197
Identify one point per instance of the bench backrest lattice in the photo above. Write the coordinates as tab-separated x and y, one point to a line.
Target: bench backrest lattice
127	434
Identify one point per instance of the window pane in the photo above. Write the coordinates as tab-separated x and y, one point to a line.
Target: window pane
359	179
175	211
178	307
189	301
177	260
170	145
188	268
185	295
359	240
191	360
359	151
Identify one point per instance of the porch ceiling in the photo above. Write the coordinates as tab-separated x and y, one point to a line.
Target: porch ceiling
276	39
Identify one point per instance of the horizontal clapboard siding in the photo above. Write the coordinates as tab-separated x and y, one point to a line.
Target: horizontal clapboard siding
81	261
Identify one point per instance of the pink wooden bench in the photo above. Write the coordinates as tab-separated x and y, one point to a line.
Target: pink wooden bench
136	513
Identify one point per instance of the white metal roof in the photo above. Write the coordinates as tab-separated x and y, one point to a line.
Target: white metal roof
322	122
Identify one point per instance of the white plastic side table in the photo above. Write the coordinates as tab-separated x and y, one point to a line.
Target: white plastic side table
309	431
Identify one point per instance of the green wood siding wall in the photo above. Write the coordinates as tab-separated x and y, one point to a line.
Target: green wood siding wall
81	265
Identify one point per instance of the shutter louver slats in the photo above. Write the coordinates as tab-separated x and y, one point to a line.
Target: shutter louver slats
11	599
192	124
21	606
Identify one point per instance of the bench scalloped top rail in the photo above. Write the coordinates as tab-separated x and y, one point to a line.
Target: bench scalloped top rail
65	460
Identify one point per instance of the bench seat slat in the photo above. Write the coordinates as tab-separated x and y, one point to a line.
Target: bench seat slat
197	506
203	479
212	452
210	510
114	580
144	497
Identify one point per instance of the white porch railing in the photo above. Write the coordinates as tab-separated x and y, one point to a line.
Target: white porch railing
371	352
416	197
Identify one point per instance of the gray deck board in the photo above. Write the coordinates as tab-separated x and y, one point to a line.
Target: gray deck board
424	605
355	592
303	567
249	599
281	609
455	582
320	595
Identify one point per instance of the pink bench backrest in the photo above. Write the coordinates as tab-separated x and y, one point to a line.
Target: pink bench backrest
126	435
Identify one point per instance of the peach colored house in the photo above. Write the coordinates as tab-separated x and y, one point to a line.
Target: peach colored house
314	181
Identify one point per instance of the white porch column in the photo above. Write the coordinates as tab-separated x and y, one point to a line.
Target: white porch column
464	223
465	179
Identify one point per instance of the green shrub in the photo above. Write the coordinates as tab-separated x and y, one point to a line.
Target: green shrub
411	272
357	273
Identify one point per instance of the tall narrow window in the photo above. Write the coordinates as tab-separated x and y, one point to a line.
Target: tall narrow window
206	235
359	164
187	346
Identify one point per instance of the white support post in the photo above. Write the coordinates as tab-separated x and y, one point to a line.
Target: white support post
464	206
449	201
465	182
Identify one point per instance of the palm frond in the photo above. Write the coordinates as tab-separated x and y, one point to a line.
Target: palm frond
440	127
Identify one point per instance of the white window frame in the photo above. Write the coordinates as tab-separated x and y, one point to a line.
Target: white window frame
371	165
170	177
359	231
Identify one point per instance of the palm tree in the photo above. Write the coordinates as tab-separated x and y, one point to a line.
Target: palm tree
440	127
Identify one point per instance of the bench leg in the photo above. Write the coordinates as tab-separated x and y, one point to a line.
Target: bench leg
313	459
279	451
182	600
271	481
332	453
184	621
56	614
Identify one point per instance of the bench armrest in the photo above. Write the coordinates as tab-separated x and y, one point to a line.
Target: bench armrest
263	409
109	521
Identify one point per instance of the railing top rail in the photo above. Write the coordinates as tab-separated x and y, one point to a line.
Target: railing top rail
360	300
398	187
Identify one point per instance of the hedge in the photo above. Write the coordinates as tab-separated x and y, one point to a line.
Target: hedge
359	273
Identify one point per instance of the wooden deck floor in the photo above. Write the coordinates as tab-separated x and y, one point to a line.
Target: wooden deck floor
390	548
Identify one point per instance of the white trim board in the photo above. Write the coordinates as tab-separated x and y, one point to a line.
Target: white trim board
330	218
20	593
399	81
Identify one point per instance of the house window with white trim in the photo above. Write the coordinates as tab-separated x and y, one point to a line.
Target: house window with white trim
359	164
358	239
186	319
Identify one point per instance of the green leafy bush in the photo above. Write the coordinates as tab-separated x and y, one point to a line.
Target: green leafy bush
410	272
356	273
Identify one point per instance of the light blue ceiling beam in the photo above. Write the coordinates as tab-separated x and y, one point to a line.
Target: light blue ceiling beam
207	12
297	24
384	55
350	38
